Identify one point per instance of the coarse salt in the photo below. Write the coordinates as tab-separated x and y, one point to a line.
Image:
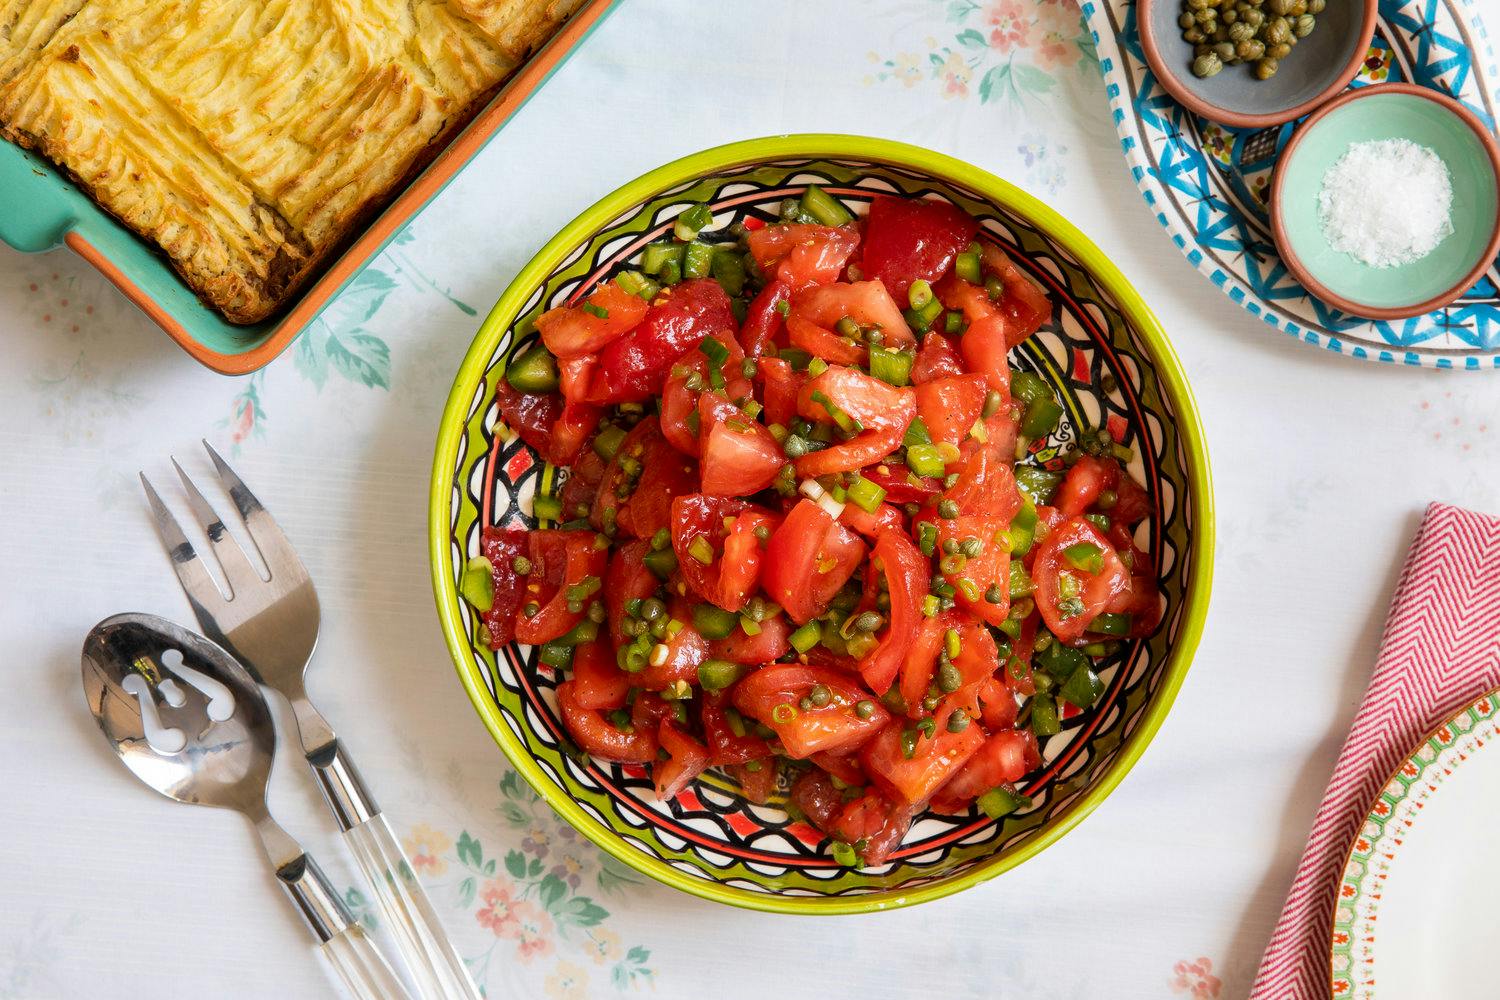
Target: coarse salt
1386	202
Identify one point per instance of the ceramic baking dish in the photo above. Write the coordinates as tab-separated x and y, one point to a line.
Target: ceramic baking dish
40	209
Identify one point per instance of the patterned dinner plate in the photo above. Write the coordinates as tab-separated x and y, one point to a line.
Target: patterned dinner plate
1102	350
1416	908
1208	185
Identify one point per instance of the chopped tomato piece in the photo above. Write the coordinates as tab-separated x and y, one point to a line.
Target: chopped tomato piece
919	664
501	546
609	311
582	485
679	402
825	344
1024	305
530	415
765	319
950	407
866	302
640	482
882	411
800	254
871	524
906	573
770	643
597	736
1004	759
740	457
1084	482
627	579
718	551
686	759
633	367
598	683
559	560
911	239
936	358
935	760
814	794
774	693
1070	596
986	477
685	653
901	485
779	384
756	778
808	559
724	745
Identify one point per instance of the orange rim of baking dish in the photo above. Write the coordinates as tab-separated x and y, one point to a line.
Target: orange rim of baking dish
442	169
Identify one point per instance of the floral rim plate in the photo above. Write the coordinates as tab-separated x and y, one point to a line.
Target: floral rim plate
1103	351
1208	185
1414	911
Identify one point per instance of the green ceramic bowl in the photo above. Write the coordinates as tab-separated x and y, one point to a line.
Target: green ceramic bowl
1389	111
1103	351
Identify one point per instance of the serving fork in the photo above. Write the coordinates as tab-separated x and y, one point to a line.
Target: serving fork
271	626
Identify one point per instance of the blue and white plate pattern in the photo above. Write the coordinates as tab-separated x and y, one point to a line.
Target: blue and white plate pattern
1208	184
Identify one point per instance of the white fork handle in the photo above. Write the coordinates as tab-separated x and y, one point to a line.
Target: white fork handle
435	967
364	972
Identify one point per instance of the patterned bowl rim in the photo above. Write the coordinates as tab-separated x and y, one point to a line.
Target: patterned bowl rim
1411	757
1003	194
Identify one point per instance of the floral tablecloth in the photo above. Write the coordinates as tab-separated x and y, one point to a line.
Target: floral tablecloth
1322	467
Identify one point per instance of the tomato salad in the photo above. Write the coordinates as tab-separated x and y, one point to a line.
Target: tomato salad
797	540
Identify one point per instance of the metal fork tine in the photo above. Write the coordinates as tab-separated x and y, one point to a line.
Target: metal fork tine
273	544
200	587
232	560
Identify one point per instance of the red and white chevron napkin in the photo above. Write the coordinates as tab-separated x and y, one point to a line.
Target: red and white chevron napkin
1439	652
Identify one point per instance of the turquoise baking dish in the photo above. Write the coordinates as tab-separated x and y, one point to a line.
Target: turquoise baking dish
40	209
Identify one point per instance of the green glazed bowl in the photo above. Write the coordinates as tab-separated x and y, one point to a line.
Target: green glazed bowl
1389	111
1103	351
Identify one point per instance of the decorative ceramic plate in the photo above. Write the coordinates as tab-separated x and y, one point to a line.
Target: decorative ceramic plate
1416	907
1208	184
1102	350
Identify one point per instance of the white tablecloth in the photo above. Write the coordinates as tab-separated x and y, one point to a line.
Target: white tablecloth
1321	466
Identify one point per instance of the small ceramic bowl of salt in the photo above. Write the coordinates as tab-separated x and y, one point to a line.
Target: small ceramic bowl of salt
1384	203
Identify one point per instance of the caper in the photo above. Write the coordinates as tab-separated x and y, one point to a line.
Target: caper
1250	49
1316	6
1241	33
1229	16
1220	33
1207	65
1206	19
1225	52
1277	32
1201	49
1186	20
1278	7
1279	51
1252	17
1297	9
1194	35
1265	69
1304	25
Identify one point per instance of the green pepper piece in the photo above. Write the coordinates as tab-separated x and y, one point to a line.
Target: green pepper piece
477	585
533	370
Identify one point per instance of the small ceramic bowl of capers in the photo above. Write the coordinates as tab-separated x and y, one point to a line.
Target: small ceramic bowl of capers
1254	63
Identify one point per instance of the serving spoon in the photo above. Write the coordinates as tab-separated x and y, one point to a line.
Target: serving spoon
190	722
